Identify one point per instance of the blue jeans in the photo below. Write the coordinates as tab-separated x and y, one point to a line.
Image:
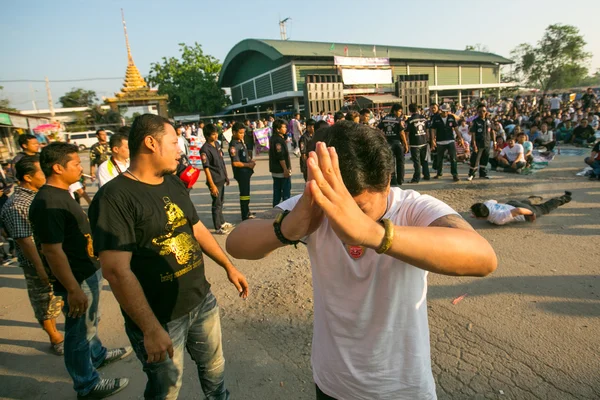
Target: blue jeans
282	190
83	349
595	165
199	332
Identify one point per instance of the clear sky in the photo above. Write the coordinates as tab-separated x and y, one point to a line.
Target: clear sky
70	39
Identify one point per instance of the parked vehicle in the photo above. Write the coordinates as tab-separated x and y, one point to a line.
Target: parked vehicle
83	140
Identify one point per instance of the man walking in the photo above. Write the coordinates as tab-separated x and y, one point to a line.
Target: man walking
62	233
444	128
304	142
243	167
393	128
279	163
99	152
370	252
216	177
118	162
481	138
15	219
417	138
151	243
297	132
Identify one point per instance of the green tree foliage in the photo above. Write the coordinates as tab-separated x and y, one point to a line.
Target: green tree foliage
477	47
557	61
190	81
78	97
5	103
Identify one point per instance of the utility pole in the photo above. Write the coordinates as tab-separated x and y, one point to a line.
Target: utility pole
282	31
33	97
50	104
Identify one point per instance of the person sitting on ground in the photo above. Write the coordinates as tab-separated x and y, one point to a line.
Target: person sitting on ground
512	157
565	131
533	133
594	161
463	153
583	133
545	138
515	210
496	152
527	148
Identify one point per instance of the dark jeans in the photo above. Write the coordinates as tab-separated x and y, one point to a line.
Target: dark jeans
398	150
419	159
441	151
243	181
519	165
198	332
323	396
83	349
480	159
548	145
282	189
594	164
540	209
217	206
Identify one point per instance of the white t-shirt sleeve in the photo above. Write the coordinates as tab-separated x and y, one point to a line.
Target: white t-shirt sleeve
102	174
290	203
422	209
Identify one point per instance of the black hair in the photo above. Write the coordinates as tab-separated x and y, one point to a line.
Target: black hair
56	153
338	116
311	122
364	155
365	111
100	130
412	107
25	138
124	130
237	127
351	115
321	124
26	166
116	140
480	210
480	105
277	125
145	125
396	107
209	129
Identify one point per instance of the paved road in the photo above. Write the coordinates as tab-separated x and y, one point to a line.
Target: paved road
529	331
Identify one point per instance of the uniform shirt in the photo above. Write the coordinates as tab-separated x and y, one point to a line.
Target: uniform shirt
500	214
391	127
303	144
99	153
108	171
212	159
278	151
372	342
444	130
482	131
15	219
239	153
417	134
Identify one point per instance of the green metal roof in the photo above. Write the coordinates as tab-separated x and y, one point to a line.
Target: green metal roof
276	49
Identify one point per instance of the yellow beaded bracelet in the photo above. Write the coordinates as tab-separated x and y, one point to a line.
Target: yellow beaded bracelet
388	238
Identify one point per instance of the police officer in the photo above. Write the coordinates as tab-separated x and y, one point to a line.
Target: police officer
243	167
303	143
443	129
481	135
417	138
392	126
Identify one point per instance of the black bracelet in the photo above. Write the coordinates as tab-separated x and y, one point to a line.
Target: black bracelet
277	229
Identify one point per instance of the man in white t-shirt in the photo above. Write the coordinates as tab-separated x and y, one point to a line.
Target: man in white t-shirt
117	163
512	157
370	252
545	138
555	104
515	210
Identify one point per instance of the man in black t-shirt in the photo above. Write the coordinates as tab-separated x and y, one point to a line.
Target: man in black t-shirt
444	128
243	167
279	163
62	233
303	144
417	139
216	177
151	243
583	133
392	126
481	136
249	139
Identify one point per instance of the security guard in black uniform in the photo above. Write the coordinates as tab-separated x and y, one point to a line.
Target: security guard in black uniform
392	126
444	128
304	141
243	167
481	134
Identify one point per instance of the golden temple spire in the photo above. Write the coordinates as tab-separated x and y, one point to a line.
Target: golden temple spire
129	57
133	78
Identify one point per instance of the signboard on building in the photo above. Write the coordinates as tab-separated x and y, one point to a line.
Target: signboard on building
19	122
366	76
5	119
361	61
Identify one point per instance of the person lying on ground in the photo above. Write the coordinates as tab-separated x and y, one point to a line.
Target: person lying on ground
370	251
515	210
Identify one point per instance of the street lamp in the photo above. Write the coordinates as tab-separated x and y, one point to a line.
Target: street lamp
257	112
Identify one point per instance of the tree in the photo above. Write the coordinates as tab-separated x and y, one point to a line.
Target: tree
5	103
477	47
558	60
78	97
190	82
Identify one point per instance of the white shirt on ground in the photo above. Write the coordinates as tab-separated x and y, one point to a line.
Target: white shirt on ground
371	334
513	154
500	213
107	171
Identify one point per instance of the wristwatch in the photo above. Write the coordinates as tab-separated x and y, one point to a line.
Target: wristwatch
277	229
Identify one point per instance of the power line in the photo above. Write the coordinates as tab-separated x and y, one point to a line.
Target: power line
60	80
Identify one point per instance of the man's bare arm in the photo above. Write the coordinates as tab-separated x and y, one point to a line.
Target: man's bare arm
254	239
59	264
31	254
